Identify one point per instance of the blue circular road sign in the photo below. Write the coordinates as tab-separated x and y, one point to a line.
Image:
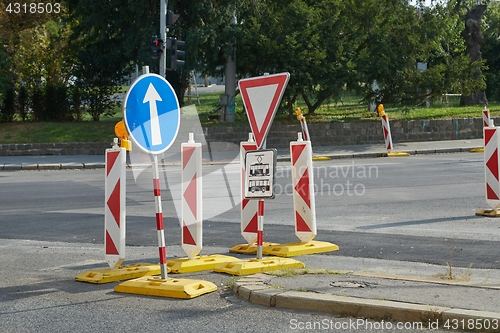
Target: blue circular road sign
151	113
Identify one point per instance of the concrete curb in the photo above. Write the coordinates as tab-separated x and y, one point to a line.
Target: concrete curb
255	289
50	166
99	165
380	154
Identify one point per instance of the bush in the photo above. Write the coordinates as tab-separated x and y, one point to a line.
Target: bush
8	108
37	104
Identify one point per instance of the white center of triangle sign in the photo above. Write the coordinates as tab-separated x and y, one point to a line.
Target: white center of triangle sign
261	97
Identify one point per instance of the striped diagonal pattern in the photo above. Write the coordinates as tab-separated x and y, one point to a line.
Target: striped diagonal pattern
114	213
191	178
303	190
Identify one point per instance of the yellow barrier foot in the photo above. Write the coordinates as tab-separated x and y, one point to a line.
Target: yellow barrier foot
299	248
321	158
477	150
106	275
488	213
394	154
254	266
174	288
198	264
249	249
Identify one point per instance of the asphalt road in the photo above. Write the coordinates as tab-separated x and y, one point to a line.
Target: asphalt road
418	209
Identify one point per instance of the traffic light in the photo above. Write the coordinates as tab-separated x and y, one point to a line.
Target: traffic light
177	56
156	47
171	18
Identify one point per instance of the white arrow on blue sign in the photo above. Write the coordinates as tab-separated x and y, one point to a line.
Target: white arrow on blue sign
151	113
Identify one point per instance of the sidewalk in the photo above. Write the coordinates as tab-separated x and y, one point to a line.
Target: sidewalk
58	162
382	290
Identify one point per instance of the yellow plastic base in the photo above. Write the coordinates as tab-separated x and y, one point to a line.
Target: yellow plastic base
174	288
106	275
248	249
321	158
254	266
198	264
477	150
488	213
300	248
394	154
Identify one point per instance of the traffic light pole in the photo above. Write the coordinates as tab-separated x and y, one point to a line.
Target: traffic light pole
163	35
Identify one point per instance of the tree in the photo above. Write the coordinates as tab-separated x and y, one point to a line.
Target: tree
297	36
474	93
207	28
109	38
6	76
474	38
491	52
15	31
328	47
8	108
42	61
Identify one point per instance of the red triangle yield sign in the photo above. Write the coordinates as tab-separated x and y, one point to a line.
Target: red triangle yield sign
110	245
187	237
114	203
261	97
492	164
252	225
300	224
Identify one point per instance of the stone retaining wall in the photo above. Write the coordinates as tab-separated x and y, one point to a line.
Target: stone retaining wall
322	134
352	133
63	148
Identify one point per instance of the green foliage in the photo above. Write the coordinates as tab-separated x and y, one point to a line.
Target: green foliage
328	46
37	104
6	76
56	107
491	51
99	99
22	101
8	108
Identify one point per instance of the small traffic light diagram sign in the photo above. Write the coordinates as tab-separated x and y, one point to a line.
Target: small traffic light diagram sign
151	113
260	168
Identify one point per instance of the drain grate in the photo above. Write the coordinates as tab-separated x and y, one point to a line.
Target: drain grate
352	284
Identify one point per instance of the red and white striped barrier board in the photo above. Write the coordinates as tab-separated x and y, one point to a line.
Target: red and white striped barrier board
249	208
303	189
491	168
191	197
387	132
114	212
486	117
